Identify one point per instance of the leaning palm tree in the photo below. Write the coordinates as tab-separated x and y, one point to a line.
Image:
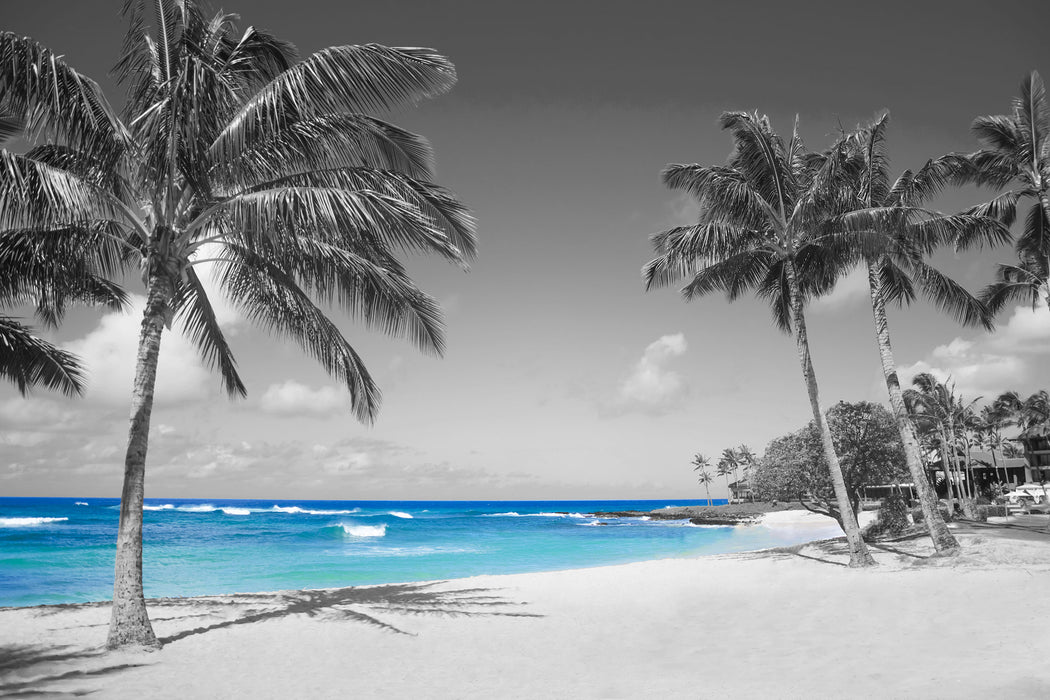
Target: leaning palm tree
894	209
277	173
1024	413
1016	150
760	228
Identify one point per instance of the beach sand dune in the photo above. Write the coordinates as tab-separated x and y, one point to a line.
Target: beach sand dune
790	623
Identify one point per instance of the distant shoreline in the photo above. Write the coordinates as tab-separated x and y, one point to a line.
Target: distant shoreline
729	514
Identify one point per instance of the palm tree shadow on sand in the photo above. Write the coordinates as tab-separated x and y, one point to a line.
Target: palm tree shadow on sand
39	670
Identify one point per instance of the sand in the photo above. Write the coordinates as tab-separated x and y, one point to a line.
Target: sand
792	623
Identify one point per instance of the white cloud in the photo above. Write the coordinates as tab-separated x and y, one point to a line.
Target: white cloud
109	354
293	398
1012	358
848	291
652	387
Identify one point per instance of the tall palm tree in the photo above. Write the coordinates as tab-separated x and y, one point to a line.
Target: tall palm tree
231	152
703	476
745	458
993	419
1016	149
894	209
760	229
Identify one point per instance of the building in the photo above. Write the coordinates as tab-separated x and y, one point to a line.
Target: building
1036	442
986	468
741	491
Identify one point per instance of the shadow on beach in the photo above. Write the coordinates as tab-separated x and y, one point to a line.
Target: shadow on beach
39	670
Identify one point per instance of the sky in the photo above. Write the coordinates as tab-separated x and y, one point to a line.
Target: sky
563	378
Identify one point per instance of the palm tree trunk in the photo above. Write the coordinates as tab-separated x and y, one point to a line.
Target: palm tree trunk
129	623
943	541
949	474
858	550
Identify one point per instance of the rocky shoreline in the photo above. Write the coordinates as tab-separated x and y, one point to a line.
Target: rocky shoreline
736	514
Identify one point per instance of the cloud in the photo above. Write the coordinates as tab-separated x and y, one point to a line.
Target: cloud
1012	358
651	387
109	354
849	291
292	398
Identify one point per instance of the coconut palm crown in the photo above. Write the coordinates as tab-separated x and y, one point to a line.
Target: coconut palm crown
231	152
762	227
1016	150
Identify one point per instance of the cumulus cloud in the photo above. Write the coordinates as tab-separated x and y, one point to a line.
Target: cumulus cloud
109	354
849	291
1012	358
651	386
292	398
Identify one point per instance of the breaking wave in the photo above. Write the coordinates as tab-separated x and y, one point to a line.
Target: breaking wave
306	511
400	514
28	522
354	530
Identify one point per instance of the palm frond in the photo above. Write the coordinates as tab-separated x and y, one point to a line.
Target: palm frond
1020	282
194	311
723	192
29	361
337	80
759	155
894	283
1002	208
951	298
269	296
1034	117
1034	240
332	213
35	195
53	101
776	290
374	289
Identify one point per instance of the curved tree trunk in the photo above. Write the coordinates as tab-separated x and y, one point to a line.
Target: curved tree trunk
858	550
129	623
943	540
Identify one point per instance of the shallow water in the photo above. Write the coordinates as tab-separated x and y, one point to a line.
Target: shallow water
60	550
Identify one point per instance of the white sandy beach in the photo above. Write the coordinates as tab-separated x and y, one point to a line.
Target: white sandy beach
782	624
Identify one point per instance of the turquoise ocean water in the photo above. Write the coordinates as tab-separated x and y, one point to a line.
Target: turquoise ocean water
60	550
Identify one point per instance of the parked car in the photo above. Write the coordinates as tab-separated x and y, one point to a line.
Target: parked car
1027	493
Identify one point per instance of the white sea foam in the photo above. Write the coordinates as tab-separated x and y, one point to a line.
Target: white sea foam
166	506
592	523
236	511
80	503
511	514
305	511
408	551
355	530
202	508
28	522
400	514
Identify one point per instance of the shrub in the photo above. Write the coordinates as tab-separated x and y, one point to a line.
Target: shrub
917	517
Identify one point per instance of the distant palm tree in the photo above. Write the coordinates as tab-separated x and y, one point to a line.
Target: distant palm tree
746	459
703	476
1024	413
1017	150
231	153
725	469
762	227
992	421
894	209
936	404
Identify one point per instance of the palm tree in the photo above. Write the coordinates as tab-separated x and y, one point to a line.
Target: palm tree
703	476
993	420
760	229
724	468
936	403
894	209
229	152
743	456
1016	149
1024	413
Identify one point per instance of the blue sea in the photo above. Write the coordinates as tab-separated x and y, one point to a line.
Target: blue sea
60	550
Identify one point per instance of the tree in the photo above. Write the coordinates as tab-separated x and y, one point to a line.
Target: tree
724	468
761	227
229	152
1016	149
745	458
869	446
894	209
703	476
1024	413
935	406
